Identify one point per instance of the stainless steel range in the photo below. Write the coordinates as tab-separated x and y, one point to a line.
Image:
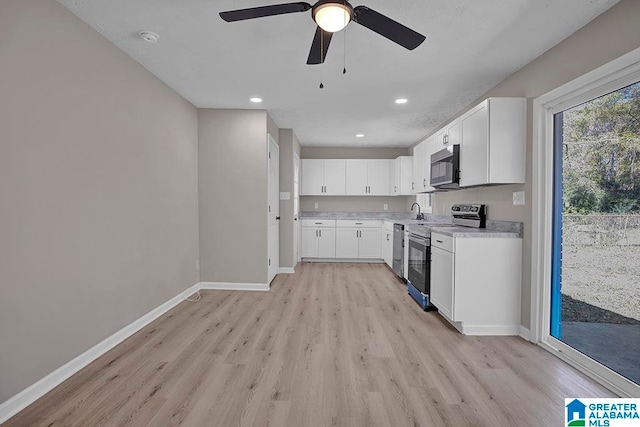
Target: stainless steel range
419	274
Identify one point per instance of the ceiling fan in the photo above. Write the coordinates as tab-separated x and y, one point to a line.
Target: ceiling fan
332	16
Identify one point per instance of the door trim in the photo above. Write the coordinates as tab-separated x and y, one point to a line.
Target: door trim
276	267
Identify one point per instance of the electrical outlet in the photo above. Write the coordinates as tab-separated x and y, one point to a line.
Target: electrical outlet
315	206
518	198
385	207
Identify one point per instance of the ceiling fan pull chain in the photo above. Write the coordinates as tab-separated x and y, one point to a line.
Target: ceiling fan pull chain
344	54
321	58
344	45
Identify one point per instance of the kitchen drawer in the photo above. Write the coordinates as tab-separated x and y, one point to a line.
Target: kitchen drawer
359	223
318	222
441	241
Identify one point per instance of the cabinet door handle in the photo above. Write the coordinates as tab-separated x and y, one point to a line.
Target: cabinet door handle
316	233
387	237
358	223
320	233
424	182
395	189
413	185
439	241
318	223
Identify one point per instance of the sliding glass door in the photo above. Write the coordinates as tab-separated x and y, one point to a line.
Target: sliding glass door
595	270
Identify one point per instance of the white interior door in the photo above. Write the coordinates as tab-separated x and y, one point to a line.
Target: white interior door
273	209
296	209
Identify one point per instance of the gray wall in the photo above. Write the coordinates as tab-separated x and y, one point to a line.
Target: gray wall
288	145
354	203
232	172
98	190
607	37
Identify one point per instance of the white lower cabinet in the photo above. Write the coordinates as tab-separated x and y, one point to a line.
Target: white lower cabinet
318	239
475	283
387	243
442	280
358	239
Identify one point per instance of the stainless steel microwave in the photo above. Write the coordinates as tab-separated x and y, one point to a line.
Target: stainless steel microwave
445	168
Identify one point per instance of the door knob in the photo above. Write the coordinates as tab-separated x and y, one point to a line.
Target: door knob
277	218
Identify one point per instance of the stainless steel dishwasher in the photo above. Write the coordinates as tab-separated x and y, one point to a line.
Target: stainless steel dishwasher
398	249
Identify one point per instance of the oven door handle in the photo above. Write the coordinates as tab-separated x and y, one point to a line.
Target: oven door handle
420	240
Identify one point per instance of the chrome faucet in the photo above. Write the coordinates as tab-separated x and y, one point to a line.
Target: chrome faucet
420	216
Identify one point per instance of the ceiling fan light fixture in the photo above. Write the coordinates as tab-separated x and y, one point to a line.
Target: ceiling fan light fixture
332	16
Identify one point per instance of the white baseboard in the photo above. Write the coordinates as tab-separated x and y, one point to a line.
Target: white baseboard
491	329
35	391
525	333
286	270
345	260
223	286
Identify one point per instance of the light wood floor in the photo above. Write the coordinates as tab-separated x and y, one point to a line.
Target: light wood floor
334	344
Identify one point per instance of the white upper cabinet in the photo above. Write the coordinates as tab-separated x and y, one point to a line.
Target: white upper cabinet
334	177
401	175
323	177
448	135
367	177
422	166
492	141
419	167
312	177
431	146
357	179
378	176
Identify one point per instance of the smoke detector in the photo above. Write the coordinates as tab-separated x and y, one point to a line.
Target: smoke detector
148	36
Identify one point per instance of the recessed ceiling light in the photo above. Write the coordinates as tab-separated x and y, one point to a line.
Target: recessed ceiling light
256	100
360	135
402	101
148	36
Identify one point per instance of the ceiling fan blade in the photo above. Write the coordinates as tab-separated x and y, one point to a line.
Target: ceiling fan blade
319	47
387	27
262	11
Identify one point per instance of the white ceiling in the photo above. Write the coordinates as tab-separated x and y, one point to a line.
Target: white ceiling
471	46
